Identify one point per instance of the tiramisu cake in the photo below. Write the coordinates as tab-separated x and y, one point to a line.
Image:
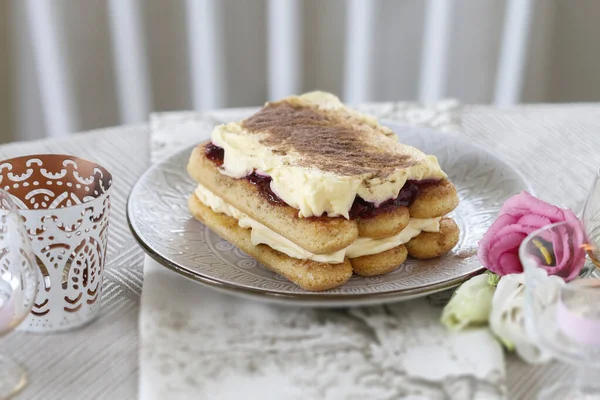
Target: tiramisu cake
316	191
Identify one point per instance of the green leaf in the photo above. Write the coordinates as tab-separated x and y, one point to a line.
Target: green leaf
493	279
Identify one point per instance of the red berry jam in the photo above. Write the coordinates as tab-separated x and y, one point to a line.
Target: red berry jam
365	209
214	154
263	184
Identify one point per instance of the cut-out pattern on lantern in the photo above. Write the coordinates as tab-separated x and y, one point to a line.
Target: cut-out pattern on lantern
65	205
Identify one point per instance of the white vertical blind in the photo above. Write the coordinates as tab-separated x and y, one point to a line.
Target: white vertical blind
285	48
205	38
360	40
131	63
434	54
513	53
52	67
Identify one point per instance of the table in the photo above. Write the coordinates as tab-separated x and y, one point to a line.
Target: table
98	361
557	147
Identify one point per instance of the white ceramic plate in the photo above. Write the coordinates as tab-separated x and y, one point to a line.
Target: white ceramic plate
160	221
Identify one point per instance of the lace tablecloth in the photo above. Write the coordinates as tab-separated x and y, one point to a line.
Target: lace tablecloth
251	350
557	147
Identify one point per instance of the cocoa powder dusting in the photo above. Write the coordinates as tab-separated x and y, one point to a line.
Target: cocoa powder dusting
326	141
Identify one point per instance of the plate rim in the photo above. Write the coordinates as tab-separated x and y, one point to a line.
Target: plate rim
308	298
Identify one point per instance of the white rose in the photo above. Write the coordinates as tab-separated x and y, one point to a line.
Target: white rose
507	319
471	303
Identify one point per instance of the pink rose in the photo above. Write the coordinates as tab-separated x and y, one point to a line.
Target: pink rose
519	216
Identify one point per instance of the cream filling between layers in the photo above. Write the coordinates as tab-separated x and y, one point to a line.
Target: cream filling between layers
314	192
260	234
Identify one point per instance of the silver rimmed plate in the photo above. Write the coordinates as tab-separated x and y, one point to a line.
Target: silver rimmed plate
160	221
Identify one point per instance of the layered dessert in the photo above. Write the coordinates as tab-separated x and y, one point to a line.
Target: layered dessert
316	191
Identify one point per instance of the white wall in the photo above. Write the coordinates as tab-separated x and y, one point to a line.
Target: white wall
575	66
563	58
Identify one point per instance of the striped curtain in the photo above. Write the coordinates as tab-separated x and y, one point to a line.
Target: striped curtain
86	64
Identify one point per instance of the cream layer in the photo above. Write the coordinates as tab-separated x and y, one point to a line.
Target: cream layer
260	234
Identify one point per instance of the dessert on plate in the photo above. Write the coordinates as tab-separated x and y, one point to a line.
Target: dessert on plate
316	191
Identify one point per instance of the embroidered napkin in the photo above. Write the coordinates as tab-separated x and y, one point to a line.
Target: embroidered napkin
197	343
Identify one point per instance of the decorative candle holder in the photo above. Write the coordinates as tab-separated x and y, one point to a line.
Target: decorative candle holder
65	204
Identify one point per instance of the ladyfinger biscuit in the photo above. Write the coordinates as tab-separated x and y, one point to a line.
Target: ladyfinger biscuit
321	235
435	200
385	224
378	264
307	274
434	244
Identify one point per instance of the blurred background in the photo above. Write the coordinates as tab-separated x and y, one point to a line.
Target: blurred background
68	66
